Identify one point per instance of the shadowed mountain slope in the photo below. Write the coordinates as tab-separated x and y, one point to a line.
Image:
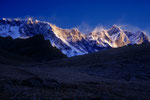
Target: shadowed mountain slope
124	55
32	49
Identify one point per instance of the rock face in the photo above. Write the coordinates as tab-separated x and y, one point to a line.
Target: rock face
71	41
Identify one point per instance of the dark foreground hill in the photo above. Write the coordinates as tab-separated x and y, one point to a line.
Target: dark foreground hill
27	50
123	56
114	74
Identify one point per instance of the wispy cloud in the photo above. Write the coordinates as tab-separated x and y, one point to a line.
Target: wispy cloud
42	18
98	28
147	30
85	28
130	27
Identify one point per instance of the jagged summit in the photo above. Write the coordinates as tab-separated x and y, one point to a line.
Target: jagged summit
116	26
114	30
19	21
71	41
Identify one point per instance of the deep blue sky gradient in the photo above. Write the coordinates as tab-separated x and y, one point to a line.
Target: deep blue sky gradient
72	13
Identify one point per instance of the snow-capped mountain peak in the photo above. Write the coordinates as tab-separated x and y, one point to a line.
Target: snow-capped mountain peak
71	41
114	30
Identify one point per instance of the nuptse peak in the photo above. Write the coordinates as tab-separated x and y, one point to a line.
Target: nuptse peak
71	41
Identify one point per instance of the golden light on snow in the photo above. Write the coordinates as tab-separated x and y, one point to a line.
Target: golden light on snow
4	19
36	21
29	21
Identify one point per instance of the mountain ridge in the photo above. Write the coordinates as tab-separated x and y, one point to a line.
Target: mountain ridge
71	41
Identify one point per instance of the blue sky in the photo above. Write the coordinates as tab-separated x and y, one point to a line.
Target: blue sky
79	13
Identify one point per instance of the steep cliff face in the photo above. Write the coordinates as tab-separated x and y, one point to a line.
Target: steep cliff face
71	41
